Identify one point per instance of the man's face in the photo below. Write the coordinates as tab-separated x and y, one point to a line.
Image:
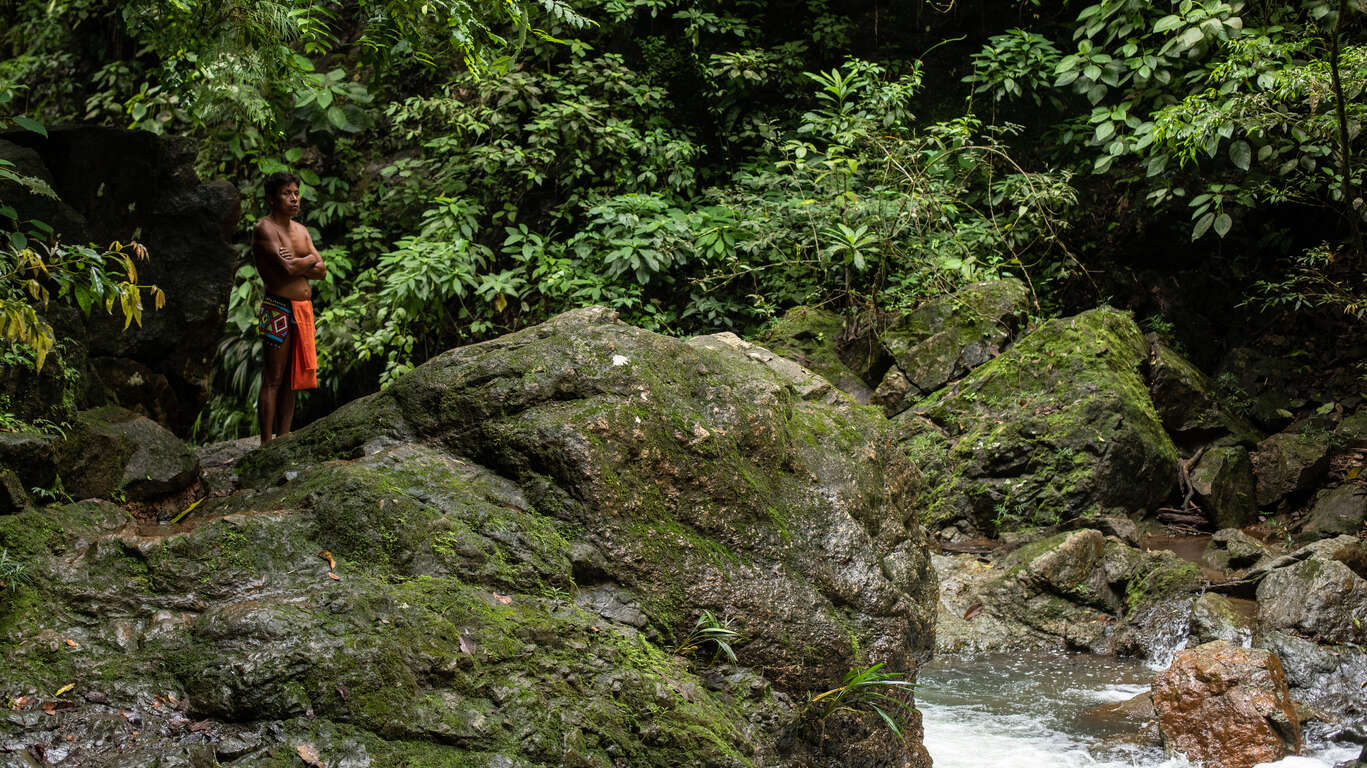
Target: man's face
286	200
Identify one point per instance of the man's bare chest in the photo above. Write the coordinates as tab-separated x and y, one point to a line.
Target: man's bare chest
295	239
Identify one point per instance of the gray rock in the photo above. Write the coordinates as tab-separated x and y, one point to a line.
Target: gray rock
1352	431
1186	401
1232	549
947	337
218	463
112	449
1287	463
1224	485
1340	511
31	457
891	394
1325	676
1215	617
1120	527
1315	597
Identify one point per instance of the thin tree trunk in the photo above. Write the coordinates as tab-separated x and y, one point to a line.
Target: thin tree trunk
1345	149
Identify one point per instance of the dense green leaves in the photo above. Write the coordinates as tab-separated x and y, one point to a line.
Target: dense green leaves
472	166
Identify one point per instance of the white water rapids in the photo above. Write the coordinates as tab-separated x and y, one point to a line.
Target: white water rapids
1028	711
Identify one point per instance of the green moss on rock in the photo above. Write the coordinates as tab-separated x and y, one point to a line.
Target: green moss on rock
1061	426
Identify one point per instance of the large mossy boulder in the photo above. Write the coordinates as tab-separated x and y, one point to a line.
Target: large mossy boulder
945	338
1188	403
1058	427
524	532
112	451
1224	484
810	336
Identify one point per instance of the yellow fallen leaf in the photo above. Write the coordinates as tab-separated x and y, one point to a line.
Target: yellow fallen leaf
326	555
309	754
72	643
503	599
64	689
334	576
1354	472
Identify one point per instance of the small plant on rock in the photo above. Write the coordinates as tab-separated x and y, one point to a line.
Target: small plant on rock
867	689
709	629
12	572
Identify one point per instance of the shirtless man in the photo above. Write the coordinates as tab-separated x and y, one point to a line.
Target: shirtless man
286	260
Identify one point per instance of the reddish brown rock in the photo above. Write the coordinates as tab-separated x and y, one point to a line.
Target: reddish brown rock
1226	707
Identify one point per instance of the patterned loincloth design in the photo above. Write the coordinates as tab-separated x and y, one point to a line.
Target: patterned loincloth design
274	319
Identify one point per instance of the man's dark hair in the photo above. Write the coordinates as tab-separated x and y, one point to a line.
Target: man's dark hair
277	180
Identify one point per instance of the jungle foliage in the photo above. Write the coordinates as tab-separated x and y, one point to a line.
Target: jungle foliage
473	167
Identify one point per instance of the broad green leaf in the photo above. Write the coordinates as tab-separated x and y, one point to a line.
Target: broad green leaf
1222	224
324	99
1167	24
338	119
1202	226
29	124
1241	154
1191	38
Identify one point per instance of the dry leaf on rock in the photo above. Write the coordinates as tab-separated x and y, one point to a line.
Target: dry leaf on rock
309	754
503	599
326	555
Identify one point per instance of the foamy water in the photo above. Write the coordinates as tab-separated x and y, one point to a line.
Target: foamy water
1027	711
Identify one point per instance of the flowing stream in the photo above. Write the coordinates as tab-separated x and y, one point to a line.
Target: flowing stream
1030	711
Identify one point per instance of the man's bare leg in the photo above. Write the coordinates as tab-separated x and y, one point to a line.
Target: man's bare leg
273	376
284	400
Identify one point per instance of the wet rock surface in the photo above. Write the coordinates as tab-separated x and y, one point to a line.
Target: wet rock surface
1317	597
1328	677
1226	707
1072	591
496	559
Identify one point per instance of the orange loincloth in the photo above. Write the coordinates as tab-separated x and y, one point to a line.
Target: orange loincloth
304	366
